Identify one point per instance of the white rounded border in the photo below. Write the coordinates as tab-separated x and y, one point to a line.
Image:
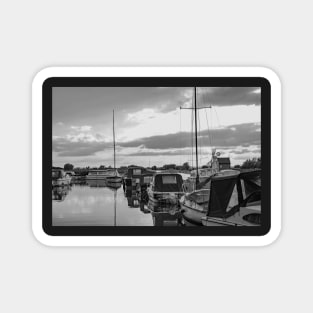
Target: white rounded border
270	237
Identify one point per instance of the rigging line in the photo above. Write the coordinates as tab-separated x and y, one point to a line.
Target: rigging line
192	134
199	132
209	135
201	139
180	137
218	121
219	124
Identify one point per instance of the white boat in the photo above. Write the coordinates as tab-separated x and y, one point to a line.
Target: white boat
100	174
165	188
246	216
116	178
195	205
60	177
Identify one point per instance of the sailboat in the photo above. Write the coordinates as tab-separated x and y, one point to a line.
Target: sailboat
195	204
114	179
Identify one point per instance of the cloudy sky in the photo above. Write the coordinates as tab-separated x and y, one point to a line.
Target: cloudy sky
150	127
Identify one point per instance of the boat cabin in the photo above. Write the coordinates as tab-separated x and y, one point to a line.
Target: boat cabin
144	175
167	182
60	177
58	173
137	179
223	163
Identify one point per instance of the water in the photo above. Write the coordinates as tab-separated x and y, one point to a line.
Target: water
95	204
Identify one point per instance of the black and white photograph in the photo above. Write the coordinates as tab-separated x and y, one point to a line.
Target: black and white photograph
156	156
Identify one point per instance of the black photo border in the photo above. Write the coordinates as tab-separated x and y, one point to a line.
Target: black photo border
51	82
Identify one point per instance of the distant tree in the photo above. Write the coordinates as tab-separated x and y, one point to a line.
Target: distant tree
258	163
101	167
169	166
186	166
237	166
154	167
251	163
68	167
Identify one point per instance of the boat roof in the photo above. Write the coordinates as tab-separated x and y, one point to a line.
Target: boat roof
101	170
223	187
163	185
224	160
166	173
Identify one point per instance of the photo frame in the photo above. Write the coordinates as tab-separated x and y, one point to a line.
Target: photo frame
148	77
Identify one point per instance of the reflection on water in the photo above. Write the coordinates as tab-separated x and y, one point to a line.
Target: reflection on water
59	192
168	215
96	204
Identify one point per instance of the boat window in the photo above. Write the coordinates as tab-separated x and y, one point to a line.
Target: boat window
169	179
254	218
137	171
55	174
147	179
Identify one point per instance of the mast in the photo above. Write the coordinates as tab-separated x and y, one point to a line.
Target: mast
114	207
114	140
196	139
196	130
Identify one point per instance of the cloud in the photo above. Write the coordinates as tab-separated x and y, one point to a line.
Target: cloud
145	152
228	96
84	128
245	151
234	135
67	147
93	105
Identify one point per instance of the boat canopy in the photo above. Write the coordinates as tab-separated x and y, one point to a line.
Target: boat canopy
168	182
251	180
220	193
222	190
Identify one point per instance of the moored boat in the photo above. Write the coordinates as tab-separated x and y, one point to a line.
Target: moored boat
247	211
113	184
60	177
99	174
114	179
195	205
166	188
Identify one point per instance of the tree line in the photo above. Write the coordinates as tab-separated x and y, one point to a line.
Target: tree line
248	164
